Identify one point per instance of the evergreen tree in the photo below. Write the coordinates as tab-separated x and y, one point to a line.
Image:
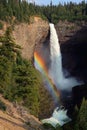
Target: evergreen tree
81	122
19	81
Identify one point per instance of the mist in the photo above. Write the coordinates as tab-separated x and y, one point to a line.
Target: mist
56	71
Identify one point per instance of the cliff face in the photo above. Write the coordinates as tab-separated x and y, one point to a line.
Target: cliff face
16	117
35	37
29	35
66	30
74	54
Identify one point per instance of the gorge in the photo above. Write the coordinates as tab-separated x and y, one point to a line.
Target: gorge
43	67
55	72
45	54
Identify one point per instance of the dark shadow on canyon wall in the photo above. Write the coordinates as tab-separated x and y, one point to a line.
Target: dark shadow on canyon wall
74	60
78	93
74	55
43	49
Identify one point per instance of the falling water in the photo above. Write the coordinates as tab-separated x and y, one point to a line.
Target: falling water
56	73
56	70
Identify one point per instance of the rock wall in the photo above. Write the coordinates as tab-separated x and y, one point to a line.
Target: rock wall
32	36
29	35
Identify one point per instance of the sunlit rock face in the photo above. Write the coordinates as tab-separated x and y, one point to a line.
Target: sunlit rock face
31	36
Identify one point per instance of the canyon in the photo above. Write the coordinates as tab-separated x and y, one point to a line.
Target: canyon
31	37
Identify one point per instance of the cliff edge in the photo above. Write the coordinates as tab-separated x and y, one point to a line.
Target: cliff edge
29	35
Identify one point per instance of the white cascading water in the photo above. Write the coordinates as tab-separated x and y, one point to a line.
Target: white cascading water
56	70
59	116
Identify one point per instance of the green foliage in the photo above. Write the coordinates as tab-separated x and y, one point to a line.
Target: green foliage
19	80
27	85
45	101
19	10
81	121
47	126
1	25
2	106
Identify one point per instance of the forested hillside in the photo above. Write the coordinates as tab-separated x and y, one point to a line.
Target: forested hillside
17	10
17	75
20	82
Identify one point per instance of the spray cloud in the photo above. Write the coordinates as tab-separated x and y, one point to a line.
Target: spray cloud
56	74
56	71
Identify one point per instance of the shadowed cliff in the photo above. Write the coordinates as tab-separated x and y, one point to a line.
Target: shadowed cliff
74	54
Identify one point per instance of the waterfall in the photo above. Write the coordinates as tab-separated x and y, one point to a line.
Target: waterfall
56	74
56	70
59	117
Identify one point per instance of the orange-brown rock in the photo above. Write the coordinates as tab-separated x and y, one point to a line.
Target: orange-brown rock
29	35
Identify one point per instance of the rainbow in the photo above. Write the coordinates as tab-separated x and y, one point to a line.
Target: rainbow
40	65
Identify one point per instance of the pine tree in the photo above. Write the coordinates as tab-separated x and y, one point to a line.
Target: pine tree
81	122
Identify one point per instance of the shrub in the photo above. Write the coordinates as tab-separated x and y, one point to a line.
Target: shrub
1	25
2	106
